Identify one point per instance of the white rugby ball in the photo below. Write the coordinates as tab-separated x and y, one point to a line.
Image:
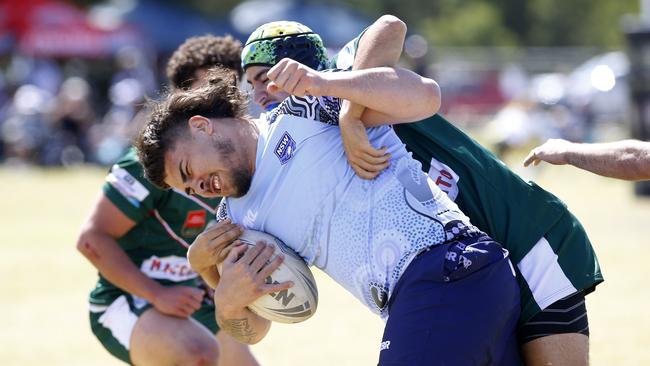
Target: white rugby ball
295	304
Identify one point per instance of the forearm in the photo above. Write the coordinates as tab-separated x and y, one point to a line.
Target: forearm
399	94
629	160
114	265
241	323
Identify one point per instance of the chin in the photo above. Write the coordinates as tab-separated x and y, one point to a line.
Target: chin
242	182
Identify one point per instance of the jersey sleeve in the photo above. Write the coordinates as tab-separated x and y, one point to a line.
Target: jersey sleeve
128	189
323	109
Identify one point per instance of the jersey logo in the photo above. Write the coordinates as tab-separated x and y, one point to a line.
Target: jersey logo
285	148
194	223
445	178
172	268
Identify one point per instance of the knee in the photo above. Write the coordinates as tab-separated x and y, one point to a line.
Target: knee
201	353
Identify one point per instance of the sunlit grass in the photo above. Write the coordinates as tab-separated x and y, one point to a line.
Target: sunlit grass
44	282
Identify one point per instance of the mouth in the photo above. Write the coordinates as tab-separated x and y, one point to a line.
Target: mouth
215	185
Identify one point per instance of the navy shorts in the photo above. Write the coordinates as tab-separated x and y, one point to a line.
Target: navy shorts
456	304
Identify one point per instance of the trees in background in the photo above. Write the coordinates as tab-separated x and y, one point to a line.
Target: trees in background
485	22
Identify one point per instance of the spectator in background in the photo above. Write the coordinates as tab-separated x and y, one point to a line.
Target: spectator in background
24	131
72	117
628	159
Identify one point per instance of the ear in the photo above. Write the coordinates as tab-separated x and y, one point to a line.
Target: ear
200	124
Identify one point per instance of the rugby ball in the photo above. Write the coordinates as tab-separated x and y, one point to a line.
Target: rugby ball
295	304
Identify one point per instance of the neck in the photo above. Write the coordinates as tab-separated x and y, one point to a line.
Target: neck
250	136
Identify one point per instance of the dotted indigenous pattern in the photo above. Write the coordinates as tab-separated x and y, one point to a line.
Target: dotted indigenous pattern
379	230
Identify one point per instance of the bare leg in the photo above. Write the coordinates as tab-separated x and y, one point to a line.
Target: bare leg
162	340
571	349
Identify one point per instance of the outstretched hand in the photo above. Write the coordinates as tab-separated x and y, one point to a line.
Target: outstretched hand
552	151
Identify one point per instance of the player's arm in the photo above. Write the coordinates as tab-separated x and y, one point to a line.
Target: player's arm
628	159
243	280
97	242
380	45
399	95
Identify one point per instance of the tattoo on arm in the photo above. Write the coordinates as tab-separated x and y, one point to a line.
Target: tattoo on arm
240	329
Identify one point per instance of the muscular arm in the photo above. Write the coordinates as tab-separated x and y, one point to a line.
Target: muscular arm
628	159
398	94
380	45
97	242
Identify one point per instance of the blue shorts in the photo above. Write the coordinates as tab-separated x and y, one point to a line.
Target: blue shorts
456	304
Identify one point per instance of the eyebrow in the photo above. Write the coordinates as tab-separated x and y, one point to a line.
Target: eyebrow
259	74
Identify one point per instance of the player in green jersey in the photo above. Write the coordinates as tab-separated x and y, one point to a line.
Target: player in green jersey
555	260
149	307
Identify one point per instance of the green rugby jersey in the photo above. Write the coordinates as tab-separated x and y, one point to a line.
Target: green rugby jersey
167	222
549	246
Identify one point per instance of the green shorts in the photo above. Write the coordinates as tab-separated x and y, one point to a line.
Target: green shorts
560	264
113	324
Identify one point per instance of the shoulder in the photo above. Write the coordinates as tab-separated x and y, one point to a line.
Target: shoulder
126	178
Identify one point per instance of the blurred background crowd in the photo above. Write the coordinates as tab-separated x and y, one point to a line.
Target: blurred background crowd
75	74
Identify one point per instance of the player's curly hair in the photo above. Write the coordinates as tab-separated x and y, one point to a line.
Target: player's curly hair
203	52
167	122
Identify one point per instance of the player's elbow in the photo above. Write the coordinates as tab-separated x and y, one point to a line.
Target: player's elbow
86	244
432	98
392	26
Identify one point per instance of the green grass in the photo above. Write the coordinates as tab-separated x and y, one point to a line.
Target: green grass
44	281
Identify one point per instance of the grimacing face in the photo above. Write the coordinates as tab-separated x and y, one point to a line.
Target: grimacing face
208	161
257	79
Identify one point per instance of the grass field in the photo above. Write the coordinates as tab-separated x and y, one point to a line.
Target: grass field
44	281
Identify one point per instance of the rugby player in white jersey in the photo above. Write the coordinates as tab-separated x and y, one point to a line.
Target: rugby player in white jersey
396	242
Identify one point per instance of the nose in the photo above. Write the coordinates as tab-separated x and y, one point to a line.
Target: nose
199	186
259	96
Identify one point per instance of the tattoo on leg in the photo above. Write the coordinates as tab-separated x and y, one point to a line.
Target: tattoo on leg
239	328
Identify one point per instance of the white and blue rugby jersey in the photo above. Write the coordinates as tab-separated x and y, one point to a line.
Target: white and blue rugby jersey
362	233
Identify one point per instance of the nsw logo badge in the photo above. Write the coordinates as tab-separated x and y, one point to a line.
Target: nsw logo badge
285	148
